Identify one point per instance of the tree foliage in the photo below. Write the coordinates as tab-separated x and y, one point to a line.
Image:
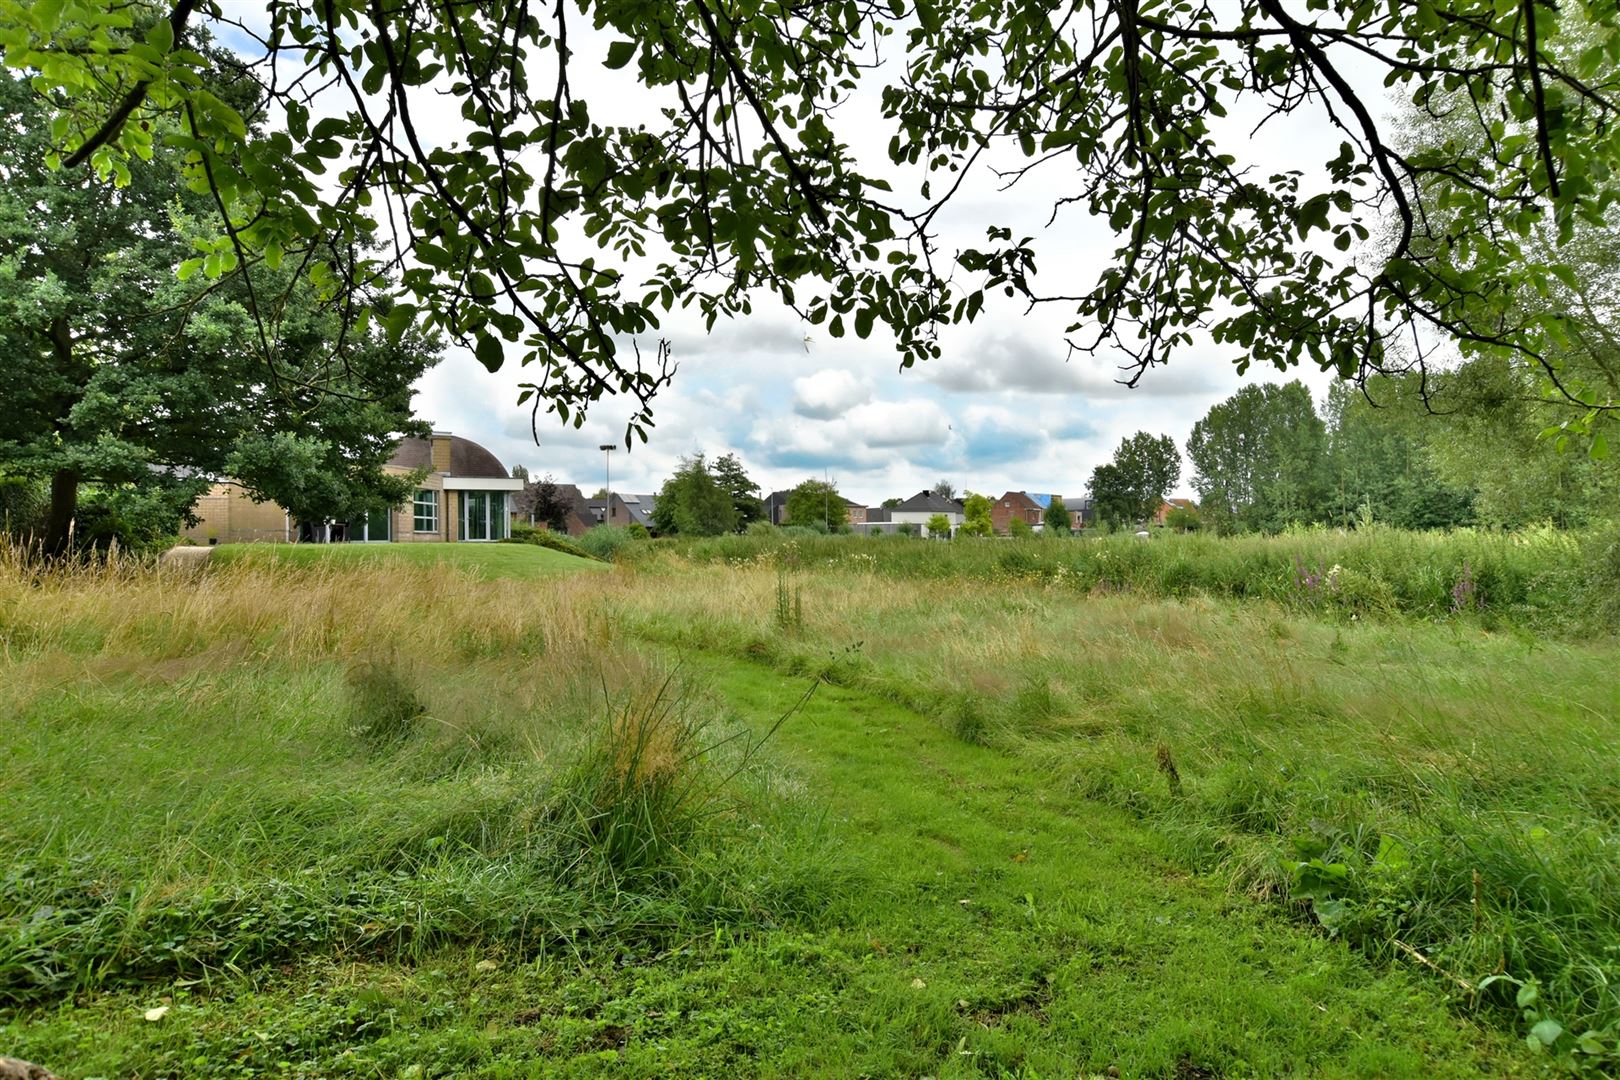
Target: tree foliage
815	502
123	376
693	502
938	527
1130	488
976	516
1056	518
546	502
1260	458
532	224
745	500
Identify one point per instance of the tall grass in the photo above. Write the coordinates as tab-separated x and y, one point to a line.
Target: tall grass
1426	791
1540	578
209	772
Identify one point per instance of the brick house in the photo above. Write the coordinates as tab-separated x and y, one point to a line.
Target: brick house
1082	513
1163	512
1015	505
465	496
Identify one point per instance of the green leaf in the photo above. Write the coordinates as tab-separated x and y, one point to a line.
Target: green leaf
620	53
1546	1033
490	353
399	320
1600	447
161	36
188	269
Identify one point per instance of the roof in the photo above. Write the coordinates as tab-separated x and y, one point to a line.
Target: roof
927	501
639	507
1042	501
1025	496
467	458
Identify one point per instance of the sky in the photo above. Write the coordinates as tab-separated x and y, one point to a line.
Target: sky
1005	407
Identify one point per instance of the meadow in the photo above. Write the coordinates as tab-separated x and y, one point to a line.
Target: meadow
777	806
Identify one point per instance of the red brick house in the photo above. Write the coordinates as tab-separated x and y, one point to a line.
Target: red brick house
1168	505
1015	505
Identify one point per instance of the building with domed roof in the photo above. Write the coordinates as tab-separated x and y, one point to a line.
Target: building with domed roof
466	495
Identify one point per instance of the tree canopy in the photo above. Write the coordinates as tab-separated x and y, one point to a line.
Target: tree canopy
1260	457
121	375
976	516
817	502
693	502
1130	488
1056	518
538	222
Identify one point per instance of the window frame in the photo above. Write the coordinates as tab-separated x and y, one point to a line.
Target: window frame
417	506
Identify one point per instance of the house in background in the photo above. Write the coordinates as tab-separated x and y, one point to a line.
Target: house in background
578	519
776	510
1082	512
624	509
1017	506
465	496
1163	512
922	506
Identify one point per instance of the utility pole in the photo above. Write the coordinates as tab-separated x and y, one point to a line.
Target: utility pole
607	476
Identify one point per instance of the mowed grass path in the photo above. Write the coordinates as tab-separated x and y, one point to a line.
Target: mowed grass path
984	928
486	560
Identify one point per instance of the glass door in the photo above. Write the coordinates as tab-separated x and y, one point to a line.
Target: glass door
475	515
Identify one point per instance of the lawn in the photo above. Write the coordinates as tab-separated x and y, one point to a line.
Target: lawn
486	560
369	823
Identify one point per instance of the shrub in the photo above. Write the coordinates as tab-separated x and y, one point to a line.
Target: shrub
605	541
529	534
1020	529
762	528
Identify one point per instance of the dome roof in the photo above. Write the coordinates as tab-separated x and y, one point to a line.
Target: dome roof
467	458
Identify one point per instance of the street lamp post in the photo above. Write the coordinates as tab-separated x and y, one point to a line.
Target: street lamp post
607	475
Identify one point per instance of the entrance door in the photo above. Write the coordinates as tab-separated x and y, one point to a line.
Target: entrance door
475	515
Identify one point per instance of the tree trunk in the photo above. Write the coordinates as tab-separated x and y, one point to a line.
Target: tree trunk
64	506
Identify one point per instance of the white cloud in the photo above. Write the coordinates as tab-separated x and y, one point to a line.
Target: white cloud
829	393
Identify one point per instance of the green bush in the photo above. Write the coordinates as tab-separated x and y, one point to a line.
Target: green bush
606	541
529	534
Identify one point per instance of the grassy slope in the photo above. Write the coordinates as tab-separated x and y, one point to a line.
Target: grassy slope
486	560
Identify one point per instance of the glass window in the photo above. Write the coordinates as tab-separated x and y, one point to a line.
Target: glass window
498	521
425	511
475	515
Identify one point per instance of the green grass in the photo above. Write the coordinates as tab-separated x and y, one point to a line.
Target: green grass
1543	579
357	819
1362	773
521	561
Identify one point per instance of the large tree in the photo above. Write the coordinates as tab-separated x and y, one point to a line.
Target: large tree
745	500
1130	488
817	502
1260	458
694	503
528	224
119	374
